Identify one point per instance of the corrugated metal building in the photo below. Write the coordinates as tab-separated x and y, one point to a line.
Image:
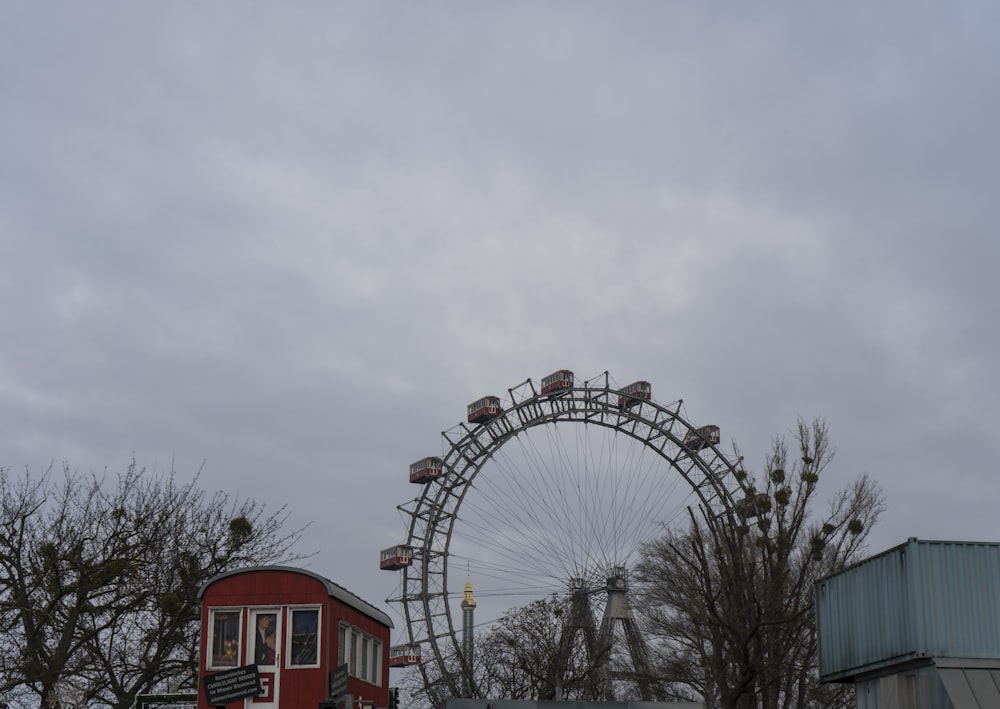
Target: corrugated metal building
552	704
915	627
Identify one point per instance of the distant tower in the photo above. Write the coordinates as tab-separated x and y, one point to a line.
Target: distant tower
468	645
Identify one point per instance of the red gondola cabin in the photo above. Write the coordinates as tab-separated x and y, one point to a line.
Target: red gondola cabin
484	409
297	628
700	437
634	393
425	470
557	381
396	557
404	655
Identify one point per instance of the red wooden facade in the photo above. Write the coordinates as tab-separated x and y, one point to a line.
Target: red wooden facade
297	627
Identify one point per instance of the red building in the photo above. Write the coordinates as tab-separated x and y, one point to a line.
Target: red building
297	627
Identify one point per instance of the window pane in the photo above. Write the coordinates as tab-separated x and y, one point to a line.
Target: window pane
266	640
305	637
362	653
225	638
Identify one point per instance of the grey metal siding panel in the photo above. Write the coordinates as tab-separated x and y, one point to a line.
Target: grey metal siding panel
959	691
959	589
984	687
920	599
931	692
971	688
863	615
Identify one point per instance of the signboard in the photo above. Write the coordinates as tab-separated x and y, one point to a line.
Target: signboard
158	701
232	685
338	681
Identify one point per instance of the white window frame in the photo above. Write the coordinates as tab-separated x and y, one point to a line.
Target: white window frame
351	649
290	632
209	649
375	665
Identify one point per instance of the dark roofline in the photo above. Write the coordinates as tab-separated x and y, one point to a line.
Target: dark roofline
912	541
332	589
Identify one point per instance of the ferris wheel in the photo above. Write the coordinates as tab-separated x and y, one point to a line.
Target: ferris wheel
552	489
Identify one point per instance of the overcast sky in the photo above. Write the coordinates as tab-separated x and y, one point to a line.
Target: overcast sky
289	242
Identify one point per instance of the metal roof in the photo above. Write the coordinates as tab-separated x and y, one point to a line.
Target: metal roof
553	704
333	589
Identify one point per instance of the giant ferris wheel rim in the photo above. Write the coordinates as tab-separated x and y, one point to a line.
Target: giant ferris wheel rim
657	427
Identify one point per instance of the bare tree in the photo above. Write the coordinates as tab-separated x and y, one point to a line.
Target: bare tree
517	658
730	597
99	579
520	656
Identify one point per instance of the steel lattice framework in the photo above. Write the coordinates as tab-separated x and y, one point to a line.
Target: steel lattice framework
661	429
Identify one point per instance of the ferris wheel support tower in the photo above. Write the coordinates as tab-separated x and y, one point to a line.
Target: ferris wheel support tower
618	609
599	645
